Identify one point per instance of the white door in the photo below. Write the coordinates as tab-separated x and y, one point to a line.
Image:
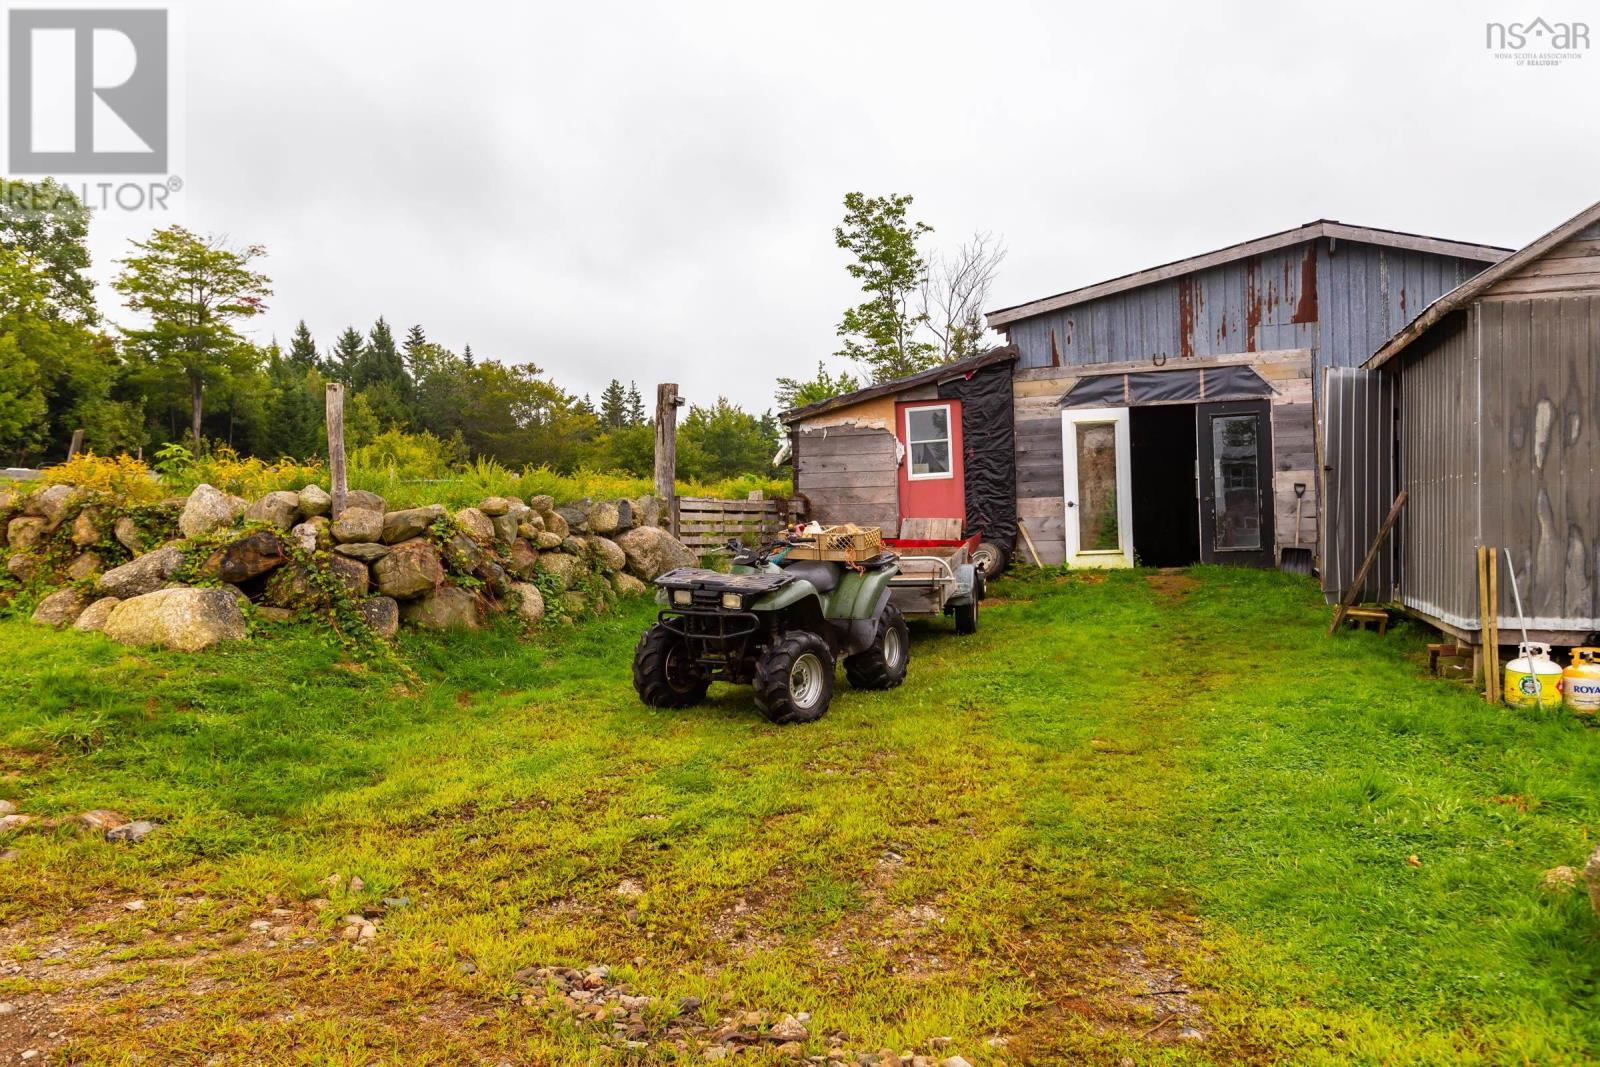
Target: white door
1099	487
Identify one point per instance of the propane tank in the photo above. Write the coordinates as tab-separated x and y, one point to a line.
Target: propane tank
1580	682
1533	678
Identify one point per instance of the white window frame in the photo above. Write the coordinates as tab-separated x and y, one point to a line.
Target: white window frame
949	440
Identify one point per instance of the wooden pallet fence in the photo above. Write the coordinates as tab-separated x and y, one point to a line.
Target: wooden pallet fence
705	524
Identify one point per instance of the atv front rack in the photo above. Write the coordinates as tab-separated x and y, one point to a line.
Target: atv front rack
717	640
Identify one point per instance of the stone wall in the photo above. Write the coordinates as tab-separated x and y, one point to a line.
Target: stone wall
190	572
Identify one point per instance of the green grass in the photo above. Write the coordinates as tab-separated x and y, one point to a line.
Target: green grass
1118	767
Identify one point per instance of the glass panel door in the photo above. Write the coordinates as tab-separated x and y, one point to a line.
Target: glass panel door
1235	440
1096	486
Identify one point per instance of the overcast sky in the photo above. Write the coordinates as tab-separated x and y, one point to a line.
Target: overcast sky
648	191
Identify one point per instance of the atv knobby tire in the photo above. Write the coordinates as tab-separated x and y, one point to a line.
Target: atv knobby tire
794	679
663	673
882	666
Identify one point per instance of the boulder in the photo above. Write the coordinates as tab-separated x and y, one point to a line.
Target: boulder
494	576
85	566
529	601
573	603
144	575
476	524
131	833
24	566
410	569
463	554
412	522
563	568
652	552
291	587
247	558
547	540
53	502
555	523
625	517
603	517
382	614
314	500
575	545
505	527
647	511
126	531
25	531
358	524
361	498
182	619
276	616
1591	874
447	607
542	502
365	551
60	608
496	505
304	537
628	585
95	615
522	559
350	573
576	518
86	528
606	552
279	509
208	509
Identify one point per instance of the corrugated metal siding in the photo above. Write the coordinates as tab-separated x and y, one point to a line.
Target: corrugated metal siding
1541	453
1260	304
1358	454
1439	426
1368	293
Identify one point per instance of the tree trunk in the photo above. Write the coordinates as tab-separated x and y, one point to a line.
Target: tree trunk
195	386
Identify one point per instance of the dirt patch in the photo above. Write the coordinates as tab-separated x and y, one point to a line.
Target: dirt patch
1171	586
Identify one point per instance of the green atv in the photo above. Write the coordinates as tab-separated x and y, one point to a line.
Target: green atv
777	624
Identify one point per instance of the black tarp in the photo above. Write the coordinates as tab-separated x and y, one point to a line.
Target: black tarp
1233	382
988	451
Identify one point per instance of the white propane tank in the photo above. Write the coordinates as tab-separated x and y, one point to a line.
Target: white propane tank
1533	678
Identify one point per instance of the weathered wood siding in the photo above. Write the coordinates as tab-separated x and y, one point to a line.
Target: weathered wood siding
849	473
1040	476
1367	293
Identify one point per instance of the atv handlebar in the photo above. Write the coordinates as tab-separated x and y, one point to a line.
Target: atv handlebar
759	557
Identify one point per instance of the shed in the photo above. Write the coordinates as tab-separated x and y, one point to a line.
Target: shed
1169	416
933	446
1489	419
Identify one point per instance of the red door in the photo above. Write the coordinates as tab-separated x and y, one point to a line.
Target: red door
932	485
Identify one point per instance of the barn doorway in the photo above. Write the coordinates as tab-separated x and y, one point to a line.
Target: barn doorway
1166	489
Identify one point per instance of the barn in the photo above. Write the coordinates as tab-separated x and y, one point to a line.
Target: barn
1169	416
1485	411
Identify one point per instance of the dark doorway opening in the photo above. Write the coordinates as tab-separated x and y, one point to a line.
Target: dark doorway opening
1166	512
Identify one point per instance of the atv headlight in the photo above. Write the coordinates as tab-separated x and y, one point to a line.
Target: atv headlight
732	601
682	597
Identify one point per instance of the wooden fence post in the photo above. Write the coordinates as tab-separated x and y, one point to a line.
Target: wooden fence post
335	411
77	443
667	403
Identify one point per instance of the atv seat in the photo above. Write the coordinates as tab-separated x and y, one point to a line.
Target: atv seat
823	576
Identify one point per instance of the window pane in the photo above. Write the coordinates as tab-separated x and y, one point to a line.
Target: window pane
927	424
930	458
1236	479
1097	488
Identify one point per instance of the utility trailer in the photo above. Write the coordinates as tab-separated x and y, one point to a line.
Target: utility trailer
938	577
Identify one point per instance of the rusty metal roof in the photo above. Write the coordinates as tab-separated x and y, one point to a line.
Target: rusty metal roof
1311	231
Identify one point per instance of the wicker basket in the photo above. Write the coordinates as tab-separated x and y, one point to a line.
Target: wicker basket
848	543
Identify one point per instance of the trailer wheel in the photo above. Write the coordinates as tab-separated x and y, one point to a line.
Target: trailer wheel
990	558
794	679
664	674
882	666
966	617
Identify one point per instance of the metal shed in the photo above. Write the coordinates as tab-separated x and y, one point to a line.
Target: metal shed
1492	412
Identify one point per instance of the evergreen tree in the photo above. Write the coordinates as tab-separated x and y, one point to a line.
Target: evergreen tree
635	416
345	358
613	406
302	349
415	339
466	354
